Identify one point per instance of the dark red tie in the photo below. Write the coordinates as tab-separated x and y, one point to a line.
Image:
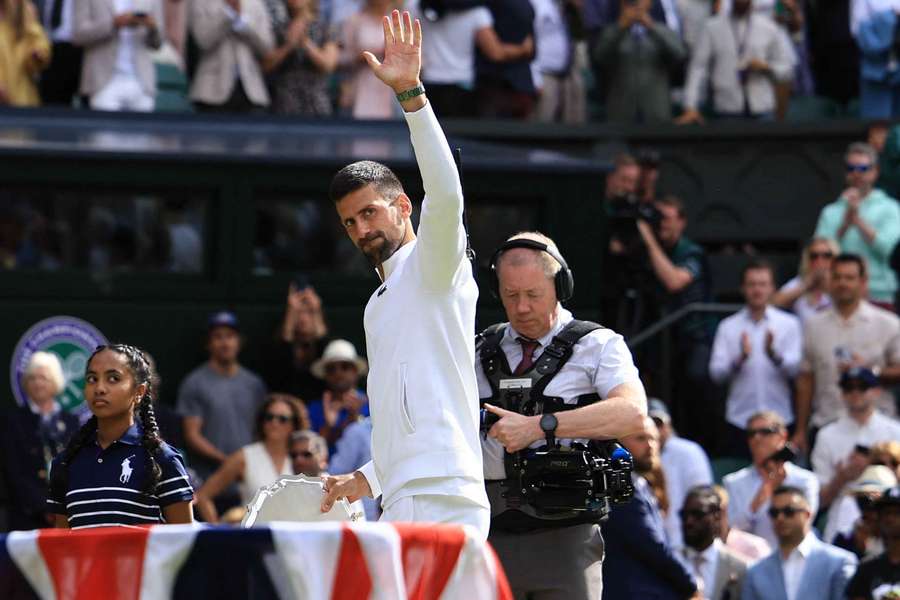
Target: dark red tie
528	348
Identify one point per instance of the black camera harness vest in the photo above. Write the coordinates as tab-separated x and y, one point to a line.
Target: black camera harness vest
496	368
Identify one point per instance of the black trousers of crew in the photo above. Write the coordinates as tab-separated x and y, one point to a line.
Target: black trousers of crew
59	82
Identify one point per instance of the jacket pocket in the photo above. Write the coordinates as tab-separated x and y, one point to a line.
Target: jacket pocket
405	413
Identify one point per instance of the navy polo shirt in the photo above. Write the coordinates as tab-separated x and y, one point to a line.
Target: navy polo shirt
105	485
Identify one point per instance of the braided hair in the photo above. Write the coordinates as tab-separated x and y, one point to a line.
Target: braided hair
151	441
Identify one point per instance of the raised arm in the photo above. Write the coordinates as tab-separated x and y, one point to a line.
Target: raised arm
441	240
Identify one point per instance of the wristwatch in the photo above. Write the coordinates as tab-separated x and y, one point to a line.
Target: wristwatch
549	423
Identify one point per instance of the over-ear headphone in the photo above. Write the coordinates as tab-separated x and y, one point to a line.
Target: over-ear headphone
564	282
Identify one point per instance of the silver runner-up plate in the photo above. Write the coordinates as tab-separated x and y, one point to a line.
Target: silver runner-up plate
297	498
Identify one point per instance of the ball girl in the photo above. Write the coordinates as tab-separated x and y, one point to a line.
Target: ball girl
117	470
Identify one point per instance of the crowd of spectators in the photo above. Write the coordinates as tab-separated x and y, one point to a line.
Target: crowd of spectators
628	61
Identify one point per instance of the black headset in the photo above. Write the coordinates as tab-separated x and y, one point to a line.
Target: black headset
564	282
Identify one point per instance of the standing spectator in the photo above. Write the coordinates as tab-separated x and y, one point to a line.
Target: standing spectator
305	56
879	87
746	545
638	56
684	464
257	464
751	489
807	293
834	55
117	72
34	434
362	94
342	402
718	571
24	53
449	40
59	83
757	351
802	566
743	55
640	562
841	453
865	221
560	62
506	89
219	401
851	333
233	36
879	578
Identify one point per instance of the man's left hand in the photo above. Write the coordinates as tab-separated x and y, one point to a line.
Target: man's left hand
513	430
402	53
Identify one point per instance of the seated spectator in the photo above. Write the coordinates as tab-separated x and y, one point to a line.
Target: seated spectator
841	453
742	55
640	562
219	402
33	435
857	527
258	464
807	293
300	341
59	82
757	351
802	566
342	402
506	89
684	464
851	333
865	221
449	40
363	96
751	489
719	572
745	545
560	62
24	53
117	72
305	55
878	578
309	454
638	55
233	37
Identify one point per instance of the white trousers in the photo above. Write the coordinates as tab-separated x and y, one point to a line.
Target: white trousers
433	508
122	92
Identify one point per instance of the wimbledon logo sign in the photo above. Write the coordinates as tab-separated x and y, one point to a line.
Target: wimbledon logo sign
72	341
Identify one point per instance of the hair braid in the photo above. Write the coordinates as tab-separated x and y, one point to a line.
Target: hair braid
59	477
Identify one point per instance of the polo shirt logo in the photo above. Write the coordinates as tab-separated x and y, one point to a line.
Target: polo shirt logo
126	470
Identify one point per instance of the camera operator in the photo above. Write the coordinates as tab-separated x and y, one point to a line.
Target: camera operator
573	365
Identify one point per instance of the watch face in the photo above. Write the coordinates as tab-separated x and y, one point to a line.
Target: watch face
548	422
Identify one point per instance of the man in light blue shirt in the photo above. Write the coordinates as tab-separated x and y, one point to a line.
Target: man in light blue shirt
865	221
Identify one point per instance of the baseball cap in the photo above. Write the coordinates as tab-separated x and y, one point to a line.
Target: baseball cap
860	374
223	318
656	409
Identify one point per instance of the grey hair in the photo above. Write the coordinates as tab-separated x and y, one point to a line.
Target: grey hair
317	444
769	415
50	362
547	262
863	148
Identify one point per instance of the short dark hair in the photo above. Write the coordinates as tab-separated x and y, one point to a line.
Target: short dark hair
673	201
362	173
793	490
847	258
758	264
705	493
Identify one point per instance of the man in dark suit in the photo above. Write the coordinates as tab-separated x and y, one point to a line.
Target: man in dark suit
719	572
802	566
639	562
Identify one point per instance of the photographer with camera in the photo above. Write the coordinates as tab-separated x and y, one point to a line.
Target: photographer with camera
573	380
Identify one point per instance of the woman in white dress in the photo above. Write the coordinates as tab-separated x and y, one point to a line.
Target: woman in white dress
260	463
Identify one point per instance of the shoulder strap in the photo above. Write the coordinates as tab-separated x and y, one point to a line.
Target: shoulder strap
493	360
559	351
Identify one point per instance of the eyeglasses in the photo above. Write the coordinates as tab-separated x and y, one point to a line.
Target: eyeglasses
695	513
851	168
752	433
817	255
339	366
305	454
283	419
787	511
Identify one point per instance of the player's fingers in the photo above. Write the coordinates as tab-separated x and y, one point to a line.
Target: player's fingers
388	32
409	36
397	24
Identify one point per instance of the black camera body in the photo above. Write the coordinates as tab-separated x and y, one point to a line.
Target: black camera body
624	212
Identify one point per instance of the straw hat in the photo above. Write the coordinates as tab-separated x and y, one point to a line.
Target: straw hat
338	351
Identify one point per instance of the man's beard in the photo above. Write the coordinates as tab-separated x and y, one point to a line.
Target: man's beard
643	465
378	253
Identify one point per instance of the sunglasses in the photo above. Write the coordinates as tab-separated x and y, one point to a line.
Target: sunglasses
283	419
855	387
858	168
818	255
752	433
305	454
787	511
695	513
339	366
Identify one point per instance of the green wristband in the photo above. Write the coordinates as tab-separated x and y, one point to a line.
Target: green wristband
416	91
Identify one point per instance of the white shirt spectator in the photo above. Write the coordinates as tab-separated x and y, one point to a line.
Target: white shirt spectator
803	307
551	38
703	565
127	40
742	487
792	568
758	384
685	465
448	44
63	33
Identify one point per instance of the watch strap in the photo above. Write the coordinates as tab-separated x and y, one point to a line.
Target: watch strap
411	93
